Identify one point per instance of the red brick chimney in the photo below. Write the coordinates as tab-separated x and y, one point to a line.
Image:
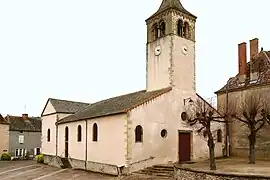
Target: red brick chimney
242	58
254	50
25	116
254	47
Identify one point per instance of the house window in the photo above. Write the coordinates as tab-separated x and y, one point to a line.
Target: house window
21	139
79	133
16	152
95	132
139	134
36	151
219	136
49	135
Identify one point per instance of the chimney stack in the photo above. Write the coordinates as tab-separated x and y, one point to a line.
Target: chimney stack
242	61
254	47
25	116
254	50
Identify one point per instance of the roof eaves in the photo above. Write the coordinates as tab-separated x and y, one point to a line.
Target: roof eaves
83	119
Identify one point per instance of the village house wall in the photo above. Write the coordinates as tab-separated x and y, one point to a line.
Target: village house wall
31	141
239	131
4	134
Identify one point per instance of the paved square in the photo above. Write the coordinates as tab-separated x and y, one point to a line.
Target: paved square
30	170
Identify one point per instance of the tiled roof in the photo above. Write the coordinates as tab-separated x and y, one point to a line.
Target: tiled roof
261	64
115	105
171	4
17	123
64	106
2	120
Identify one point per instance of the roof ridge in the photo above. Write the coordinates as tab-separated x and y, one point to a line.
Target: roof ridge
68	100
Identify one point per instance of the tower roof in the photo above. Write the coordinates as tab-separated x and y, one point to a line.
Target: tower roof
171	4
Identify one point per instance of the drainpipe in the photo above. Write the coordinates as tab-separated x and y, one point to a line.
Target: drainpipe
227	123
56	136
86	132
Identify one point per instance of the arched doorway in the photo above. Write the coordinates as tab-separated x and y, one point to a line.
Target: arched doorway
66	142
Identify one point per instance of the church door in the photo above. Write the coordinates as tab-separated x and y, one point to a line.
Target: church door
184	146
66	142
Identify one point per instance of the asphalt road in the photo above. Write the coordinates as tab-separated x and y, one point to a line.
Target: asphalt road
30	170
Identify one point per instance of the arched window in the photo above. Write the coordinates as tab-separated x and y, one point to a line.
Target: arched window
139	134
155	31
180	28
79	133
219	136
48	135
186	30
95	132
162	28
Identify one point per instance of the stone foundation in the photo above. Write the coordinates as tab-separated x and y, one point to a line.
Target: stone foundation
77	164
103	168
52	160
186	174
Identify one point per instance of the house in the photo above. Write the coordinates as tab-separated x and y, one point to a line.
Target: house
24	136
4	134
253	76
130	132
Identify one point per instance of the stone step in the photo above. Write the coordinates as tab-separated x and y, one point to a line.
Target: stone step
160	169
157	171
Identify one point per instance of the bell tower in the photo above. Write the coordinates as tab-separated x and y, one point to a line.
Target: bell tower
171	48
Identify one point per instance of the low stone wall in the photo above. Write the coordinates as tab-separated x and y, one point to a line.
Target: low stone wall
103	168
191	174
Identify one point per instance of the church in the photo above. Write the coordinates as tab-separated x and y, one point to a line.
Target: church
130	132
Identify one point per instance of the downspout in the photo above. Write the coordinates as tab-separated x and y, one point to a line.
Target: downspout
86	135
56	136
227	123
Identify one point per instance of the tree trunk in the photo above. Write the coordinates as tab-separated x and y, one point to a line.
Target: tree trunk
252	139
211	146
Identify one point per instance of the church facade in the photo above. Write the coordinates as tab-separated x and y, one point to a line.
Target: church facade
130	132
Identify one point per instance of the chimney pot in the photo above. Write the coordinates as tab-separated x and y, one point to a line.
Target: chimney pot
25	116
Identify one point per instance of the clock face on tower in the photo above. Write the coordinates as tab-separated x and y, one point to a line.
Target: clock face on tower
157	50
185	50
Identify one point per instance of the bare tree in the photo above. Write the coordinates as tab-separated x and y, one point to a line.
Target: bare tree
253	112
201	116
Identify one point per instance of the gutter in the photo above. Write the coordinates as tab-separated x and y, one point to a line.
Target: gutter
56	136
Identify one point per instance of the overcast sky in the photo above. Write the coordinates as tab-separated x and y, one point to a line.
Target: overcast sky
86	50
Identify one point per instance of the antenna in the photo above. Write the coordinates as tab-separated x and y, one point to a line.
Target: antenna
25	108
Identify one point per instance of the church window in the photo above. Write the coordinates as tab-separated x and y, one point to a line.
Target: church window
48	135
79	133
219	136
95	132
180	28
139	134
155	31
186	30
164	133
162	28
